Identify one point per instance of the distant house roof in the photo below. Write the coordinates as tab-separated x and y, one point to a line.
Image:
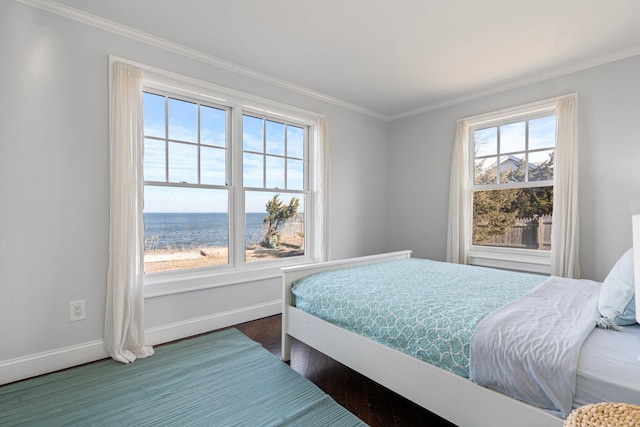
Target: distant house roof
512	163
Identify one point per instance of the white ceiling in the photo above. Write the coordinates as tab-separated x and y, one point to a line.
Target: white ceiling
395	57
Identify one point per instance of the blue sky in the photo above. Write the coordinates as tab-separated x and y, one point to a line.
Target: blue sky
512	141
263	140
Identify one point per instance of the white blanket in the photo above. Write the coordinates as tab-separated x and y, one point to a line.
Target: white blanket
529	348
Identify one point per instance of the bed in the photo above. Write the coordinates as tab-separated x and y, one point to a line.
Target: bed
449	393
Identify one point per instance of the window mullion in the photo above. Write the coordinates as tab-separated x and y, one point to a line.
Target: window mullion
199	166
512	185
264	153
237	202
166	138
526	151
286	163
499	154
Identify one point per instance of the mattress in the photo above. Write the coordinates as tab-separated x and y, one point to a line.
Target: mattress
609	368
413	305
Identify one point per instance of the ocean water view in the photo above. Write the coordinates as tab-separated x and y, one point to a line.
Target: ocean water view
181	231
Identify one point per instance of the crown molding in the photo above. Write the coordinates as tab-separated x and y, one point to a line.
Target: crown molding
539	77
128	32
149	39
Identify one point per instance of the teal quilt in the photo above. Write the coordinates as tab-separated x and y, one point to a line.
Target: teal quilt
426	309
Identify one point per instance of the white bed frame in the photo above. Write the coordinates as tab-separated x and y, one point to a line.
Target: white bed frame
441	392
448	395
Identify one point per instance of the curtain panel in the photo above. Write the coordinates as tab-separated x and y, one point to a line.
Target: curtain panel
459	228
124	312
322	173
564	233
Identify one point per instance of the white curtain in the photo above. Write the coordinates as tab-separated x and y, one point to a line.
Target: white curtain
322	173
564	233
458	232
124	314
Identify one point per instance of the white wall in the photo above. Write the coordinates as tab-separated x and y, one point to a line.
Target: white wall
54	186
609	152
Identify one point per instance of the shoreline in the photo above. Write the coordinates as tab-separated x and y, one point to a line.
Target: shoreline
159	260
162	255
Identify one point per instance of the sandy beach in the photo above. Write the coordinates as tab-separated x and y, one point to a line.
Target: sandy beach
166	260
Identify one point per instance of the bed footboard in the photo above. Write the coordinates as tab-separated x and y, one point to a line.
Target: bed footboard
290	274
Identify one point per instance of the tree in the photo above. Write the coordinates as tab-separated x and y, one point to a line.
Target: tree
492	209
495	212
535	202
492	214
277	215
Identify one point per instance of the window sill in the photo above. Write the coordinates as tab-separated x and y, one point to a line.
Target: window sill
161	284
528	260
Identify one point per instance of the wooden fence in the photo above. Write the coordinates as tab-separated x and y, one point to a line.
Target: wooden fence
527	233
293	230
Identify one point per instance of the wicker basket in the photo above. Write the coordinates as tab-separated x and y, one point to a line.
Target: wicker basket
604	414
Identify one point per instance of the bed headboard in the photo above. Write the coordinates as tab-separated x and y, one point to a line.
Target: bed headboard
635	219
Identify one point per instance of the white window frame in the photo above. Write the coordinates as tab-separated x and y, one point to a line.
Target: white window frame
530	260
239	103
240	217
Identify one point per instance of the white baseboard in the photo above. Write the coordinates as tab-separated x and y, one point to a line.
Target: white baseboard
191	327
55	360
50	361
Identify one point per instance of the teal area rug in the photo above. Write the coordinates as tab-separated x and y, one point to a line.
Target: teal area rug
220	379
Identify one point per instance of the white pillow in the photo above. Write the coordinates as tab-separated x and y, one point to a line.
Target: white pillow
617	302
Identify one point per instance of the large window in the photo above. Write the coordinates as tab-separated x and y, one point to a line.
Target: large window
512	168
514	189
218	198
513	182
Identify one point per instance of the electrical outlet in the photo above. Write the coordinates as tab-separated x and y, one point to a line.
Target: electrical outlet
77	310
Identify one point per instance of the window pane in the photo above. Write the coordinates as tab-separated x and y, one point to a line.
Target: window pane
514	218
183	163
182	120
153	113
252	170
212	166
185	228
486	142
252	134
275	138
485	171
541	165
275	172
295	174
213	125
154	160
295	142
542	133
512	168
267	238
512	137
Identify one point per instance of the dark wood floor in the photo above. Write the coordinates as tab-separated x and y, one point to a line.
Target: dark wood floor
372	403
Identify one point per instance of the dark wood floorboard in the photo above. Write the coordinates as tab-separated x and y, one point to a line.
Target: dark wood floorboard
371	402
